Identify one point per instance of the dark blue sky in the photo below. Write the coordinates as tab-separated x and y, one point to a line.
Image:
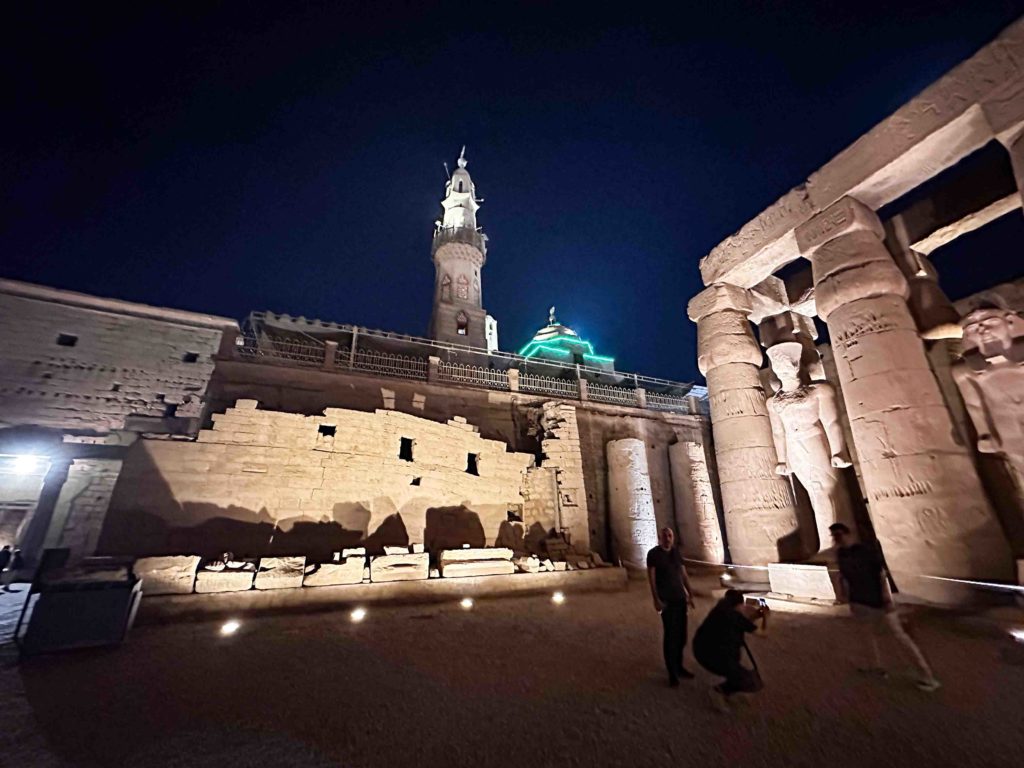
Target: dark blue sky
223	157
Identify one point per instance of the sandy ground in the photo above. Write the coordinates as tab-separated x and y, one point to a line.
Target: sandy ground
518	681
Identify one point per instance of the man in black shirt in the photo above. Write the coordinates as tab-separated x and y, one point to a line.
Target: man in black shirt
718	643
866	588
670	588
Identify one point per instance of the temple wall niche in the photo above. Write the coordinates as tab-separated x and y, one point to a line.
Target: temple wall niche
279	482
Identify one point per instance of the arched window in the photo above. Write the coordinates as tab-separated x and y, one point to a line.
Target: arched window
461	323
446	288
462	288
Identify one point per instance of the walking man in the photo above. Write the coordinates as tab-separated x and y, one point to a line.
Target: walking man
670	589
866	588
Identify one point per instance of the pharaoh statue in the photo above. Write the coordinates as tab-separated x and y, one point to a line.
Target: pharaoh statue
991	380
808	438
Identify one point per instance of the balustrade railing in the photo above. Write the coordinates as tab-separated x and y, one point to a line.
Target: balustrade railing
531	382
604	393
660	402
387	364
459	373
307	351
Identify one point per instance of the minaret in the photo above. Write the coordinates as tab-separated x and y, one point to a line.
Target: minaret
459	251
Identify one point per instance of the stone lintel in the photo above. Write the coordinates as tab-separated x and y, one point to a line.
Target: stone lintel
716	298
959	113
970	222
841	218
980	189
1004	111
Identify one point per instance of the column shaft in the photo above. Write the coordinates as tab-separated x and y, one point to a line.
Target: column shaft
927	505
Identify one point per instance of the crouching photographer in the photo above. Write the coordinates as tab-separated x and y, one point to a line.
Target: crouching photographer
718	643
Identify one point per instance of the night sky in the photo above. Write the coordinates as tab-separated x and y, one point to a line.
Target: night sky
224	157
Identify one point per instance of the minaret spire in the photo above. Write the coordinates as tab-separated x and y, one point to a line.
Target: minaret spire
459	251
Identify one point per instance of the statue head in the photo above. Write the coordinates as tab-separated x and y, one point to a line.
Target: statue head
785	361
992	332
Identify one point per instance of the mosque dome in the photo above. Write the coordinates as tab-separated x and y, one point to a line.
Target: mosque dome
560	343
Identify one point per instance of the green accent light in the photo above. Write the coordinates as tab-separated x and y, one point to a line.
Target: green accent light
557	346
564	347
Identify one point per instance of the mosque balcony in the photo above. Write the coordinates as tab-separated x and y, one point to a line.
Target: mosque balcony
298	342
464	235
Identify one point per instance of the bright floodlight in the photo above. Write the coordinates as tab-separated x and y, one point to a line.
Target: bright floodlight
358	614
24	465
466	602
1017	634
229	627
558	598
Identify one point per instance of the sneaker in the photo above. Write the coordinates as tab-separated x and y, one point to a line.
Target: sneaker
929	685
718	700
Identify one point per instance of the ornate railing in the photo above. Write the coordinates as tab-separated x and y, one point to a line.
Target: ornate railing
531	382
667	402
459	235
287	340
387	364
304	353
604	393
472	374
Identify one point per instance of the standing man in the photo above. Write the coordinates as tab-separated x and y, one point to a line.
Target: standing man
866	588
670	589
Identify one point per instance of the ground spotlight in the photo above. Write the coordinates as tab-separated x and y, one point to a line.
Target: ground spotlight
1017	634
558	598
466	602
229	627
358	614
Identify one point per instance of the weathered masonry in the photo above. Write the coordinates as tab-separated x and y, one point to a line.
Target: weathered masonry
80	379
851	248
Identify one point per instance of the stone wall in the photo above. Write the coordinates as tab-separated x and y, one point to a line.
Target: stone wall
264	481
513	418
82	505
78	368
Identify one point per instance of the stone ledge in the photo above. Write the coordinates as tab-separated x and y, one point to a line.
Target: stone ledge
170	608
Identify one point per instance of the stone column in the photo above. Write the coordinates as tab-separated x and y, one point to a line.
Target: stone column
630	504
513	379
433	364
696	514
760	513
927	504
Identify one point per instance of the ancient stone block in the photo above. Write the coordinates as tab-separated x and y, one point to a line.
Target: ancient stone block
334	574
167	575
477	568
280	572
223	581
407	567
805	581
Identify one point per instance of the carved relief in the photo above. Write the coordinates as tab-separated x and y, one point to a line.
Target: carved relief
809	440
991	380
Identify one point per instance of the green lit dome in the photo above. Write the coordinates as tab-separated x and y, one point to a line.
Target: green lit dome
562	344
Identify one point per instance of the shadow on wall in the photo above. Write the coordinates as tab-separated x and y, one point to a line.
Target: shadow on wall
145	519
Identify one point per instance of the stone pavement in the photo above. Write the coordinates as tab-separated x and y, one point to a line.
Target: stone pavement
518	681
